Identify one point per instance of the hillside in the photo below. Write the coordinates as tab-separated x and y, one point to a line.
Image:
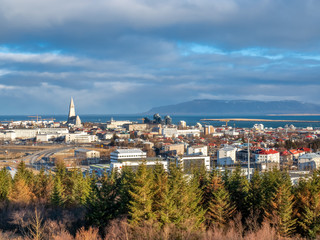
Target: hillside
237	107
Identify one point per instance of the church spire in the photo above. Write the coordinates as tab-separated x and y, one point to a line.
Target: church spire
72	111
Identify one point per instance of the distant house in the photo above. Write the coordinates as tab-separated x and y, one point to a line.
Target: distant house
87	156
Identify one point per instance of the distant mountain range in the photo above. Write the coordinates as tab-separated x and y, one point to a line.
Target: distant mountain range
236	107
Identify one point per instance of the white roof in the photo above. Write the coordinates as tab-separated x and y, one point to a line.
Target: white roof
132	150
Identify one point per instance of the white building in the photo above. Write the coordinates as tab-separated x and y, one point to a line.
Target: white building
227	156
112	124
122	155
259	127
309	161
197	150
80	138
267	156
189	162
86	155
182	124
30	133
189	132
169	132
133	158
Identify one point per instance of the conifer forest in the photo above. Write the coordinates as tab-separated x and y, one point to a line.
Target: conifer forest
155	204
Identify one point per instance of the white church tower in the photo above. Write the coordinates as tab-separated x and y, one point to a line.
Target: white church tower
73	119
72	111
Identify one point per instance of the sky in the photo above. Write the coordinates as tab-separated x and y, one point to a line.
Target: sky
127	56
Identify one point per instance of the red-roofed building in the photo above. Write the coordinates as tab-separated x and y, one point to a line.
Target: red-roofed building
267	156
286	159
307	150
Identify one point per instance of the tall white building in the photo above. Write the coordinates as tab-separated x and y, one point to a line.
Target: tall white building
182	124
227	156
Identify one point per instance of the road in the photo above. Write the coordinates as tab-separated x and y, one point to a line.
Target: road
35	157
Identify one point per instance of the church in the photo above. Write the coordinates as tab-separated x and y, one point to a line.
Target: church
73	119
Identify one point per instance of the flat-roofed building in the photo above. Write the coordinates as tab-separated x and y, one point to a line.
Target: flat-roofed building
80	138
197	150
191	162
169	132
87	156
309	161
133	154
227	156
136	127
175	149
133	158
112	124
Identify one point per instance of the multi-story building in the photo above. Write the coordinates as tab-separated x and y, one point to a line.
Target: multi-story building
208	129
267	156
169	132
133	158
309	161
80	138
197	150
226	156
87	156
174	149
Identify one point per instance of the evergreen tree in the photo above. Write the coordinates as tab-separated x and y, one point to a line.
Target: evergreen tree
307	206
102	204
238	187
280	212
142	196
42	186
57	197
220	208
124	184
184	199
256	196
79	188
160	195
270	183
24	173
5	184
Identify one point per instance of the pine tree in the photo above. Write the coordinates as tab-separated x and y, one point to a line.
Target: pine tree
102	204
142	196
256	197
57	197
5	184
184	199
280	212
42	186
238	187
307	206
124	184
220	208
160	195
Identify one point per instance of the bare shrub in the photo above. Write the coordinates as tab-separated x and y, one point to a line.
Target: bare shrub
90	234
118	229
9	235
266	232
62	235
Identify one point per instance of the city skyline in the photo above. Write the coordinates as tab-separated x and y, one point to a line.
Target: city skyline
130	56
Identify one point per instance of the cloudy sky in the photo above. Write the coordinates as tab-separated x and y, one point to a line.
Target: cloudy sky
127	56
